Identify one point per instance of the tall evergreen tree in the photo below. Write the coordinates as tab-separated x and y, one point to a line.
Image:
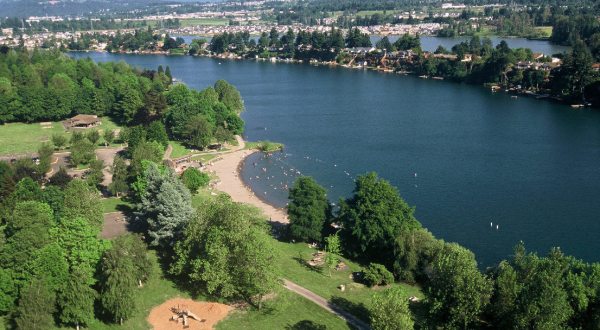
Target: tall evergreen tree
165	207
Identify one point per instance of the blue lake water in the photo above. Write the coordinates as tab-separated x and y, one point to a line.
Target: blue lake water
463	156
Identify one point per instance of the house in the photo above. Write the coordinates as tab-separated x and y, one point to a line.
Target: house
82	121
596	67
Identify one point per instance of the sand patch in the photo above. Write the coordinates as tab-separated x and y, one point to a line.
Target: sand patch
210	314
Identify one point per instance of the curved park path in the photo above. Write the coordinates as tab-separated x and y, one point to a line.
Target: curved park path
323	303
227	168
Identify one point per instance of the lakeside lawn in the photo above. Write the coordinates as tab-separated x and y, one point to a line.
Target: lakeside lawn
19	138
356	299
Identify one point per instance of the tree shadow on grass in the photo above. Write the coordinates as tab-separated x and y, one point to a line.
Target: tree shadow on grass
299	259
359	310
306	325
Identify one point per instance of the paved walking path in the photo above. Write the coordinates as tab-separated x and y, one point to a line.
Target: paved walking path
323	303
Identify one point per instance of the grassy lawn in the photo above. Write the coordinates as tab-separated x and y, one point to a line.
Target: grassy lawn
356	298
179	150
114	204
17	138
205	158
21	138
285	311
545	30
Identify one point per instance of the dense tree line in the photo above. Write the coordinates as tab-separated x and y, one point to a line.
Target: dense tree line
376	225
69	25
304	45
54	266
47	85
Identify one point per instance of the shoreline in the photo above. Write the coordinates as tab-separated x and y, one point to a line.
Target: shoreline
512	92
228	170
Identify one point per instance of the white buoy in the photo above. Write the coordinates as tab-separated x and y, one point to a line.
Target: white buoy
497	227
491	225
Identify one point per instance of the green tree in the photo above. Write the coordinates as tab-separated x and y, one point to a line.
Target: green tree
373	218
390	310
117	285
45	153
229	95
27	231
199	132
146	151
165	207
36	306
95	175
119	173
194	179
332	252
61	178
227	250
82	152
385	43
80	240
377	274
83	201
457	291
308	210
8	291
76	300
93	136
575	73
109	137
407	42
156	132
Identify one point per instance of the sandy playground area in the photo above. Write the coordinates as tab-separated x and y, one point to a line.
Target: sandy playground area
210	314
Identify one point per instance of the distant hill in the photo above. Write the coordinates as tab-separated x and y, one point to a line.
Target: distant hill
26	8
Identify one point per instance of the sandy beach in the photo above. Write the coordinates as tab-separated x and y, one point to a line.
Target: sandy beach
227	168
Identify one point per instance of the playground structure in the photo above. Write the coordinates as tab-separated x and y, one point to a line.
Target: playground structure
183	315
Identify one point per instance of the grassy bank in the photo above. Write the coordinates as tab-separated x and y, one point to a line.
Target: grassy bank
264	146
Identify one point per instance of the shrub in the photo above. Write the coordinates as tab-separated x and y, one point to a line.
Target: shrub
193	179
377	274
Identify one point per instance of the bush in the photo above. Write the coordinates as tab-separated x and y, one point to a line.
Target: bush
193	179
377	274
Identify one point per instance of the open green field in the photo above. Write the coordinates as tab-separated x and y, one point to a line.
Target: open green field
18	138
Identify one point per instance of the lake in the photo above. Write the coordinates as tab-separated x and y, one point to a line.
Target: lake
463	156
